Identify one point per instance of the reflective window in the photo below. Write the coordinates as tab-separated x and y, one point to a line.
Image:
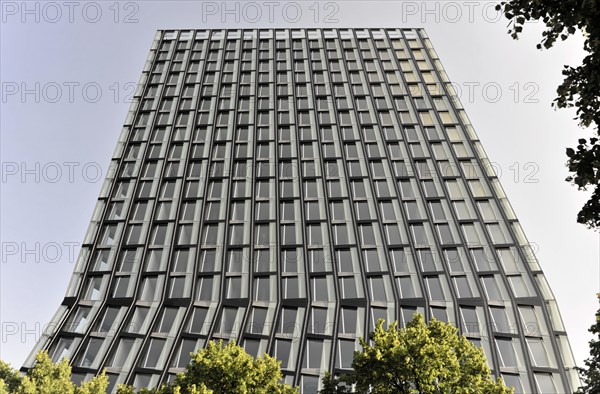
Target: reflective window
256	322
492	288
345	353
314	353
122	352
138	319
107	322
91	351
282	352
545	383
538	352
434	286
166	320
153	353
197	321
469	321
500	320
506	352
182	356
463	287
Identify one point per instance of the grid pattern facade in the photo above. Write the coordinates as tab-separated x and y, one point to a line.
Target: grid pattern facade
287	188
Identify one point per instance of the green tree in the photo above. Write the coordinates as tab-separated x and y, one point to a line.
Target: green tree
591	373
9	378
229	369
220	369
580	87
420	358
48	378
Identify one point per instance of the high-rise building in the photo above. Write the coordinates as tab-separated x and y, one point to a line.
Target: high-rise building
286	189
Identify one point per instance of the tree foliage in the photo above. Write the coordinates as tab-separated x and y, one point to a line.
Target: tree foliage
10	379
591	373
580	87
229	369
48	378
216	369
221	369
420	358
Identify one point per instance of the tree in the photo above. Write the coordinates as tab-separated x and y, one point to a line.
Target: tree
9	378
48	378
219	369
229	369
580	87
420	358
591	373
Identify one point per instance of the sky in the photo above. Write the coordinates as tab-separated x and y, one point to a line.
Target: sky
68	70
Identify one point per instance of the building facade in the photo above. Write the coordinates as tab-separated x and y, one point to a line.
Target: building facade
286	189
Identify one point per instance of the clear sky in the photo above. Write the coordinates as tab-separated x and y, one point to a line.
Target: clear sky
68	68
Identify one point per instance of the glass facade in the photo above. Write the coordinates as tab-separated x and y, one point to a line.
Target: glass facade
286	189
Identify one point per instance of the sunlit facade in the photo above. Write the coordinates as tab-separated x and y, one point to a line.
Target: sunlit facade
287	188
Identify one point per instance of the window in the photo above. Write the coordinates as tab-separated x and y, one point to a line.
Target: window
233	287
127	260
463	287
392	234
340	234
378	288
348	321
318	321
399	260
166	320
310	189
109	235
469	321
492	288
362	210
256	322
121	286
500	321
373	262
315	237
138	319
108	319
123	351
210	234
483	260
228	320
94	289
283	352
348	287
434	287
182	356
367	234
545	383
530	321
506	352
159	235
149	292
358	189
205	288
90	353
320	289
314	353
520	286
287	321
310	384
197	321
420	235
153	353
538	352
